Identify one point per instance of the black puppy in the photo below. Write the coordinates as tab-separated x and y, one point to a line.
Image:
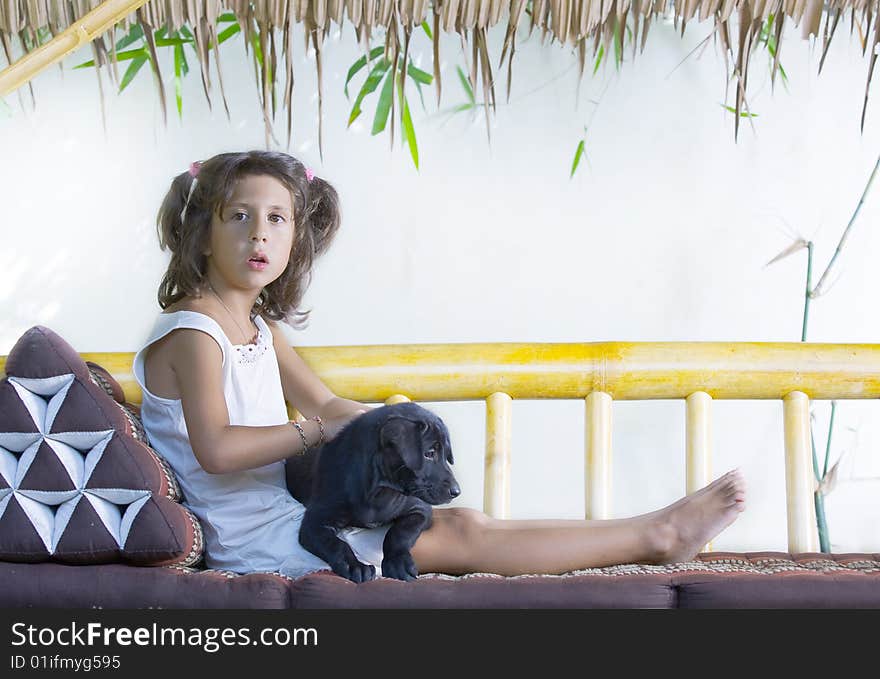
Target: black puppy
387	466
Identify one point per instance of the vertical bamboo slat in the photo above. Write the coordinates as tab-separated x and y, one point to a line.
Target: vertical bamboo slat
597	471
699	440
496	484
699	444
799	474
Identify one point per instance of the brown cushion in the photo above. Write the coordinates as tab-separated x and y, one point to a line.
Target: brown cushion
711	580
53	585
78	484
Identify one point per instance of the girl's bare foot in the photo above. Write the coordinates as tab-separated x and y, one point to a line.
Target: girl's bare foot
683	528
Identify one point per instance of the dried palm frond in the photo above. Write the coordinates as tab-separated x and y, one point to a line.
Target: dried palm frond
739	25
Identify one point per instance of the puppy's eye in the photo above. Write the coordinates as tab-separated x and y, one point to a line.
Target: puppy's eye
429	453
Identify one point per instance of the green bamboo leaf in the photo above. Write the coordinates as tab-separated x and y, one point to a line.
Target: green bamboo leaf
178	70
578	154
409	132
465	83
170	42
427	30
226	17
136	33
369	86
43	36
459	108
742	114
184	62
419	76
255	43
132	71
228	33
618	45
120	56
383	108
599	56
184	30
419	88
359	64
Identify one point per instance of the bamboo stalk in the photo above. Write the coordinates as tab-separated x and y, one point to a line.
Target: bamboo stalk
101	18
818	498
597	468
820	285
496	478
798	480
819	502
699	441
698	444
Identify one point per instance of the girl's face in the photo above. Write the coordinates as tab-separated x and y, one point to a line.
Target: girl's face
252	237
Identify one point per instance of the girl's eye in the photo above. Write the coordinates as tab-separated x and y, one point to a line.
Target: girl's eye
279	220
235	217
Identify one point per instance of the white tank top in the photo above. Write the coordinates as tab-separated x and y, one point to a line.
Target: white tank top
250	520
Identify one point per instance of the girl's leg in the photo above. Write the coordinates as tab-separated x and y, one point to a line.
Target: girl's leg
466	541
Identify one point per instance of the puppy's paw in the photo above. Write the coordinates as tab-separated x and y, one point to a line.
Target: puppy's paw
354	570
399	567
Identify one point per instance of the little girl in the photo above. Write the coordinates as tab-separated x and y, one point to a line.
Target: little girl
244	230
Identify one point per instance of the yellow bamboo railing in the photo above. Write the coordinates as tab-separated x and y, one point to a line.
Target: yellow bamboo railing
600	373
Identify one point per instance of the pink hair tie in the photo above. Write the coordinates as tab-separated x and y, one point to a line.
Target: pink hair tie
194	169
310	175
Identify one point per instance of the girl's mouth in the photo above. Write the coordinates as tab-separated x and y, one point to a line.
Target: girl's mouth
258	262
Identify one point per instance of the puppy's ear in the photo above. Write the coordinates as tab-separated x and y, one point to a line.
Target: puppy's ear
400	435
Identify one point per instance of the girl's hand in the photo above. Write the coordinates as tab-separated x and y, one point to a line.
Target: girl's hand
334	425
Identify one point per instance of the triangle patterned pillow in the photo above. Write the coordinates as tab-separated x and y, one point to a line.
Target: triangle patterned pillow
78	482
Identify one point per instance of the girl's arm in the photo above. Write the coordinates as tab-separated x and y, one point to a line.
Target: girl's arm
303	388
218	446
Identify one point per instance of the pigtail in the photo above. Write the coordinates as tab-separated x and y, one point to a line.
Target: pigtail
168	222
176	229
323	214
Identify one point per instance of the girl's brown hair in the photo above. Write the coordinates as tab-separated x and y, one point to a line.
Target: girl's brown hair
316	220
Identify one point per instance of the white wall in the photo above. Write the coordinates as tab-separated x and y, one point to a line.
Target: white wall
662	235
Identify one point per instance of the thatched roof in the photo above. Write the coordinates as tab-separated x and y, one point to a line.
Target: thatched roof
740	27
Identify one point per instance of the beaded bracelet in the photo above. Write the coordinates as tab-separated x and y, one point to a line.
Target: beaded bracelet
302	435
320	422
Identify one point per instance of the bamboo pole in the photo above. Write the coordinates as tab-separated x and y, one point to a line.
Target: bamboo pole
798	474
496	478
79	33
396	398
698	444
699	440
597	470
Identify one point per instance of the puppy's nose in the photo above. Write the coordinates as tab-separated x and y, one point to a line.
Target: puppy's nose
454	490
